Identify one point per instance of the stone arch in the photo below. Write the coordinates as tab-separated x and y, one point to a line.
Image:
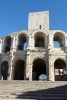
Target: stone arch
59	67
7	44
4	70
38	68
39	38
19	69
58	39
22	42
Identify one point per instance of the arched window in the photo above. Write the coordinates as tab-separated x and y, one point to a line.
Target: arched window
7	44
22	43
39	39
58	39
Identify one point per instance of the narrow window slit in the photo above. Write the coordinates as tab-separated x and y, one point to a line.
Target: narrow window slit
40	26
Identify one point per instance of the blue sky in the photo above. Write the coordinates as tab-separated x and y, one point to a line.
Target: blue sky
14	14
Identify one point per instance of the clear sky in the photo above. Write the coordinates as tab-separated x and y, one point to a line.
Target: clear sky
14	14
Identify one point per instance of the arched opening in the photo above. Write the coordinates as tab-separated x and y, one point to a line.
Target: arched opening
22	43
59	67
58	40
4	70
39	67
7	44
19	70
39	39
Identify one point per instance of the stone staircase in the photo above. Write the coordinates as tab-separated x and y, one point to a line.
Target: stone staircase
33	90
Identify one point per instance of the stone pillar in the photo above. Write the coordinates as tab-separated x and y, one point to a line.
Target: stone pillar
66	61
51	68
28	42
50	74
14	43
45	41
30	71
1	46
32	41
12	74
27	65
50	40
65	44
52	71
10	69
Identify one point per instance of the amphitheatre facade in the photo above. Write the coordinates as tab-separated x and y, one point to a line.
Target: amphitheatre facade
27	54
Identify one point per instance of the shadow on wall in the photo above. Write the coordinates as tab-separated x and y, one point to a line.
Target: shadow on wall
57	93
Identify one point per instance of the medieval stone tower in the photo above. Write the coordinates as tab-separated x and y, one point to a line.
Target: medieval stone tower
27	54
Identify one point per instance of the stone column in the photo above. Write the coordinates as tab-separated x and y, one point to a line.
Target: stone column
45	40
10	69
66	61
65	44
28	42
27	65
52	71
1	46
30	71
32	41
14	43
50	40
12	74
51	68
